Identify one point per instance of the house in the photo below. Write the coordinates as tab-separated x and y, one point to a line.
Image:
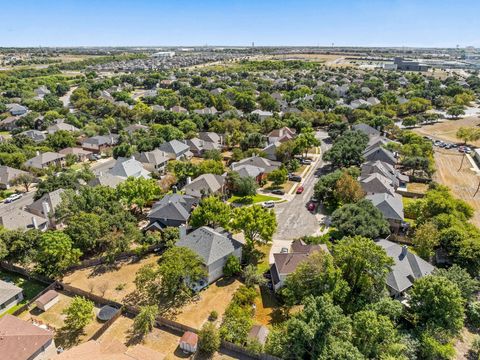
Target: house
98	144
286	263
106	179
391	206
255	166
16	109
198	146
129	167
40	92
8	174
377	183
35	135
211	137
376	142
206	111
136	127
45	160
408	267
22	340
213	246
359	103
178	109
382	154
259	333
262	114
189	342
47	300
172	210
10	295
176	149
284	133
204	185
9	123
366	129
270	150
19	219
378	167
153	161
45	206
60	125
80	154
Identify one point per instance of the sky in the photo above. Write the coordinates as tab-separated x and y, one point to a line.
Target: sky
418	23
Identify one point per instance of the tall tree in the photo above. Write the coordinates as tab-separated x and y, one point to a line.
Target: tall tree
211	212
257	223
138	191
145	320
79	313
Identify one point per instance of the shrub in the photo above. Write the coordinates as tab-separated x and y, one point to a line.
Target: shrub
473	314
209	339
232	267
213	315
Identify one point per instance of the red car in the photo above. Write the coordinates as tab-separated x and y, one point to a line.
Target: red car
300	189
311	207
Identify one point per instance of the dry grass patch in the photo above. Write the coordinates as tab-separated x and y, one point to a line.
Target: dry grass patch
418	188
447	130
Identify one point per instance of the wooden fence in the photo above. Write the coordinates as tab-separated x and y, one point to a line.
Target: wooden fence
28	304
106	325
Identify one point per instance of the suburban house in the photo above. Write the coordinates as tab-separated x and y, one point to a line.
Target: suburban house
22	220
47	300
61	125
153	161
47	204
199	146
285	263
136	127
380	153
204	185
391	206
7	175
271	150
40	92
366	129
16	109
206	111
262	114
282	133
172	210
45	160
408	267
176	149
98	144
387	170
377	183
376	141
9	123
211	136
10	295
129	167
22	340
255	166
178	109
213	246
106	179
80	154
35	135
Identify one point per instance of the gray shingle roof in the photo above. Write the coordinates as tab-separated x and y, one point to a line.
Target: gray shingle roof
129	167
174	147
211	245
377	183
7	174
390	206
8	291
380	153
173	206
205	184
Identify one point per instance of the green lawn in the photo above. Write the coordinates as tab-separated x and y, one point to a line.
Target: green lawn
258	198
30	288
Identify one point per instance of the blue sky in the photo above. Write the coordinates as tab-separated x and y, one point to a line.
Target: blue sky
442	23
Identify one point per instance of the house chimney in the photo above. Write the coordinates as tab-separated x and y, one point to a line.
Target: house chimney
37	153
189	180
182	230
34	222
46	208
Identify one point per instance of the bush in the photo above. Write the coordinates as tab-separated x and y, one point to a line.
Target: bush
473	314
209	339
213	315
476	345
232	267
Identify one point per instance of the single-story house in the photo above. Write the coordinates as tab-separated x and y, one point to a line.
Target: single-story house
61	125
206	111
100	143
270	150
47	300
176	149
21	340
366	129
129	167
9	123
153	161
45	160
47	204
80	154
408	267
255	166
262	114
178	109
23	220
286	263
172	210
198	146
16	109
204	185
136	127
213	246
106	179
10	295
8	174
276	134
35	135
211	136
40	92
391	206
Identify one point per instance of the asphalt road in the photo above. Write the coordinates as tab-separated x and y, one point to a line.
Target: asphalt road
25	200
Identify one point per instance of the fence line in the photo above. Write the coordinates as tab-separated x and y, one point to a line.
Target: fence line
106	325
28	304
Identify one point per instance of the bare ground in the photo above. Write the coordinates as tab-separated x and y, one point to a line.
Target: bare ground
446	130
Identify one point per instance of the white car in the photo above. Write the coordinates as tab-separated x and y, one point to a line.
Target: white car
268	204
12	198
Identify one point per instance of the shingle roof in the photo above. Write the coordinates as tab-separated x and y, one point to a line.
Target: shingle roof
380	153
377	183
174	147
366	129
53	199
211	245
205	184
173	207
8	174
265	164
390	206
8	291
129	167
20	219
44	158
154	157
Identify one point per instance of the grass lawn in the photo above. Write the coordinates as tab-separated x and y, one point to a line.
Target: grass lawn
418	188
258	198
263	265
30	288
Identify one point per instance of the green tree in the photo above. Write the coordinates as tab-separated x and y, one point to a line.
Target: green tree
278	176
361	218
436	303
257	223
242	186
425	240
348	190
55	253
347	150
232	267
79	313
61	139
138	191
145	320
24	179
456	111
208	339
252	277
467	134
211	212
468	286
87	230
364	266
210	166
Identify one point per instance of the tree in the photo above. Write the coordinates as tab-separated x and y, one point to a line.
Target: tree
316	275
145	320
208	339
455	111
24	179
55	253
425	240
257	223
306	140
232	266
278	176
364	266
138	191
468	286
210	166
87	230
243	186
79	313
347	150
60	139
211	212
436	303
252	277
361	218
467	134
213	154
325	189
348	189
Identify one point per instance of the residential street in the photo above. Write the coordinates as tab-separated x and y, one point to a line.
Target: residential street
25	200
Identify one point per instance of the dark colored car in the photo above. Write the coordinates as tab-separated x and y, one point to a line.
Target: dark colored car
278	192
296	178
311	207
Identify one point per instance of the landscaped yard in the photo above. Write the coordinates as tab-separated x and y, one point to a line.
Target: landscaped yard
110	282
31	288
258	198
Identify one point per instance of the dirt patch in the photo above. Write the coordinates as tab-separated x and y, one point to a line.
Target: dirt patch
446	130
216	297
463	345
418	188
113	283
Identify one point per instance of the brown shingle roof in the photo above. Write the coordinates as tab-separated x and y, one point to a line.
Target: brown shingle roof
46	298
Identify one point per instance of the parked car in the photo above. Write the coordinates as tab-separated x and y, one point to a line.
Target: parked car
300	189
278	192
12	198
284	250
313	199
306	161
296	178
311	206
268	204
